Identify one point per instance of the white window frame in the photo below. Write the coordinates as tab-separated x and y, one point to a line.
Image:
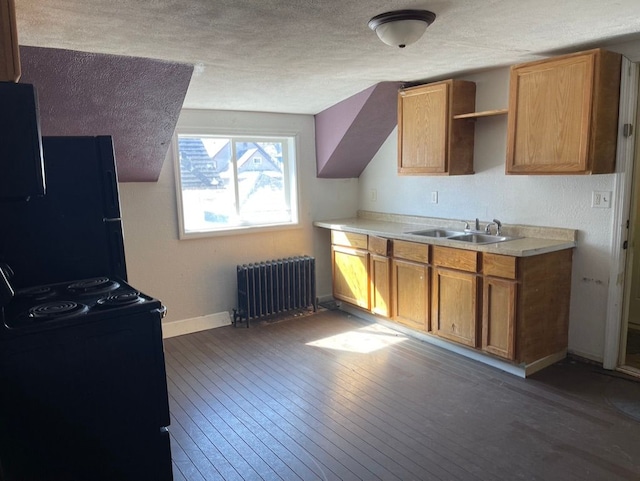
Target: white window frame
290	171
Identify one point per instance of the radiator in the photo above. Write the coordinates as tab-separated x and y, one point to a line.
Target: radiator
272	287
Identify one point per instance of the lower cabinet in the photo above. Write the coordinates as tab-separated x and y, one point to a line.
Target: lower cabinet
515	308
499	317
351	275
455	294
454	301
410	284
526	301
380	284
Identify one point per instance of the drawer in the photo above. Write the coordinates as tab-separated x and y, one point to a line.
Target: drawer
459	259
349	239
378	245
412	251
499	266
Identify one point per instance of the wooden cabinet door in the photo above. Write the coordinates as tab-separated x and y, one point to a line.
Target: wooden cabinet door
380	284
410	294
499	317
423	117
454	304
350	268
430	140
9	53
563	114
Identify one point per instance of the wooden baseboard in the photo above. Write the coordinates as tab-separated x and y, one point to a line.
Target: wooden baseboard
196	324
544	362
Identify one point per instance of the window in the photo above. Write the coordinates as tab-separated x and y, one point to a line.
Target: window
235	182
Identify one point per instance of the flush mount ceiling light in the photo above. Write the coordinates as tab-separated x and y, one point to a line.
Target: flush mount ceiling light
401	27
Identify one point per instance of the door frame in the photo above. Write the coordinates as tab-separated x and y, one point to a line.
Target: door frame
623	190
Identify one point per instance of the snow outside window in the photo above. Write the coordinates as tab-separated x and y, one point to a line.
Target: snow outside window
235	182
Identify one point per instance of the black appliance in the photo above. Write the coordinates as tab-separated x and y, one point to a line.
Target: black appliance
74	231
21	165
83	391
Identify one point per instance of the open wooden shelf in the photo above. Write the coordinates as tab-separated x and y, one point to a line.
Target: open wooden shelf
486	113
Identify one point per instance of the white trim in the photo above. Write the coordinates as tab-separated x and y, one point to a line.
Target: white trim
622	202
291	154
587	356
195	324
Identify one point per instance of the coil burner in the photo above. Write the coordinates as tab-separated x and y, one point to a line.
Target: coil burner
96	285
57	310
122	299
39	293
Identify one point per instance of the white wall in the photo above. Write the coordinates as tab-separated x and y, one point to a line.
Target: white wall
555	201
196	277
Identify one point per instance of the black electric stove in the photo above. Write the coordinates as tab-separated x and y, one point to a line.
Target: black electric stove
55	306
83	391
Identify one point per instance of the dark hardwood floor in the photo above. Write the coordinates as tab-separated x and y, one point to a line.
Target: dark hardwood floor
264	404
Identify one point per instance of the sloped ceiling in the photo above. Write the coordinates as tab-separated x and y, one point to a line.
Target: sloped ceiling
293	57
135	100
350	133
306	56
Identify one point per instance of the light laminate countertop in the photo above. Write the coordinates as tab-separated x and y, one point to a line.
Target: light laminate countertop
533	240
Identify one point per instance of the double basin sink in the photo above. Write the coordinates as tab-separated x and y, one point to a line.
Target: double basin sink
473	237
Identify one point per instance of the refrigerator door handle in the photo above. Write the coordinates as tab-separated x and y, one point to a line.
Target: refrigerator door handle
111	182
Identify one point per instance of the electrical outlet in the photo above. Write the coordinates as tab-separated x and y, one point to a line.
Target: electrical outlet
373	195
434	197
600	199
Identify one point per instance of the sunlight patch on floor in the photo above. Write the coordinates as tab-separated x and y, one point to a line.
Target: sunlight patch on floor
364	340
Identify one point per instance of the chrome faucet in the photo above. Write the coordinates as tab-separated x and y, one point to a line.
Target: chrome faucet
495	222
467	227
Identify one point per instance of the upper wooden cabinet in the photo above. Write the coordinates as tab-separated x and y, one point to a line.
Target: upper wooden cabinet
9	53
430	140
563	114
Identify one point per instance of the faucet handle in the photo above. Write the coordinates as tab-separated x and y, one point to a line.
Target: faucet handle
498	226
466	226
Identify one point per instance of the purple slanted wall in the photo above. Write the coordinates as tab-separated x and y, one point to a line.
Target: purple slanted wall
135	100
350	133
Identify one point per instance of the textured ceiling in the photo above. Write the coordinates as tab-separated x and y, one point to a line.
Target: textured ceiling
302	56
135	100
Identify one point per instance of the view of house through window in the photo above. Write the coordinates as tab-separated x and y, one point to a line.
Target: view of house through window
229	182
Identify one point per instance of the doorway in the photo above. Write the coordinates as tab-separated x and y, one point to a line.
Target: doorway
630	338
629	352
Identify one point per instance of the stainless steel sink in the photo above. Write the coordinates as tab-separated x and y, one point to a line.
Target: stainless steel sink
478	238
442	233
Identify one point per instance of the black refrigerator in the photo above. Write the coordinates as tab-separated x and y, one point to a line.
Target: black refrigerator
74	231
83	393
